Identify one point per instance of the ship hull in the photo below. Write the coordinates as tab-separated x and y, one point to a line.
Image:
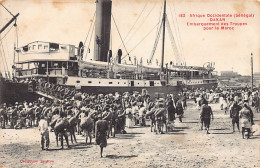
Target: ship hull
159	91
204	86
11	92
154	87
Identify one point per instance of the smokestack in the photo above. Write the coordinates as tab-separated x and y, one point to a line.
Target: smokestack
102	29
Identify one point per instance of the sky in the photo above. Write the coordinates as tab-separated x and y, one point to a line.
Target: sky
68	22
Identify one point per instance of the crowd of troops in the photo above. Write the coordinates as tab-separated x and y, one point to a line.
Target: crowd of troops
235	102
72	111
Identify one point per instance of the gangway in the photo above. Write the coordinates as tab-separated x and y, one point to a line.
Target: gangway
46	95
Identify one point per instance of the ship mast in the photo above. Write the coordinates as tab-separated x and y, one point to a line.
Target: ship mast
7	24
252	72
163	40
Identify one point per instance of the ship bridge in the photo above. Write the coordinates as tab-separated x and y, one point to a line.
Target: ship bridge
47	60
46	51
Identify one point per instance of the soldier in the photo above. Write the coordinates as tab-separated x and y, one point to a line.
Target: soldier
135	112
4	115
43	128
114	120
37	112
101	134
30	115
64	129
19	117
151	110
256	102
246	119
170	109
107	115
129	117
23	116
2	111
205	115
14	115
142	112
121	121
160	117
9	114
179	109
234	114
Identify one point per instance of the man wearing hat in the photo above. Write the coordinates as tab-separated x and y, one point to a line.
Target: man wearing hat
135	112
37	112
43	128
205	116
246	120
4	115
14	115
107	115
234	114
142	111
170	109
2	111
179	109
30	115
121	120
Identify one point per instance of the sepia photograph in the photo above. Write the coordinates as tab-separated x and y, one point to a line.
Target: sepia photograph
130	83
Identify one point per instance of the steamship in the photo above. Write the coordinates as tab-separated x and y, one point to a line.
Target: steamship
63	64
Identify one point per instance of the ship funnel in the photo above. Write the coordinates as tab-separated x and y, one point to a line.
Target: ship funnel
119	54
102	29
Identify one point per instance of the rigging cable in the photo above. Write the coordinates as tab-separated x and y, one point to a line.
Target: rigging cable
4	56
176	33
3	52
174	47
111	39
90	41
7	51
6	33
157	36
143	39
135	22
160	14
9	71
120	35
89	29
182	52
141	23
16	30
3	62
155	43
4	59
7	10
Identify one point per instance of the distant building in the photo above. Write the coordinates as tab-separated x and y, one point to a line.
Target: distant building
231	78
256	77
228	74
